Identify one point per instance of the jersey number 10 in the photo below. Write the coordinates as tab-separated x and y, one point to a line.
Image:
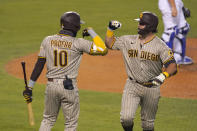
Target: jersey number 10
60	58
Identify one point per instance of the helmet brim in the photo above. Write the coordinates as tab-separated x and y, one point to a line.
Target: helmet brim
137	19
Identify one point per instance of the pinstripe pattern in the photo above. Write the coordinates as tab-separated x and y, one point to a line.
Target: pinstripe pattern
55	97
139	68
74	47
143	62
63	55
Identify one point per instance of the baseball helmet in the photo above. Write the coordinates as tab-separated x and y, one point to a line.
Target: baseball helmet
71	21
150	20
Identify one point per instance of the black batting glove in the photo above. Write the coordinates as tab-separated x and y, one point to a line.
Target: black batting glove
186	12
27	93
114	24
85	33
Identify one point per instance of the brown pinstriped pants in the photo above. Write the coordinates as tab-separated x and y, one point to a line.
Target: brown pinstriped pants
55	97
135	95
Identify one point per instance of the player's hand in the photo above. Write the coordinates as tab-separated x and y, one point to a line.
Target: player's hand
174	12
157	81
27	93
85	32
114	24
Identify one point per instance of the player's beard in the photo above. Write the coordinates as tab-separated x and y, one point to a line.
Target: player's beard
143	32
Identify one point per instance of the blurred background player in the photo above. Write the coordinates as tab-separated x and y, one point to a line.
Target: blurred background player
62	53
175	29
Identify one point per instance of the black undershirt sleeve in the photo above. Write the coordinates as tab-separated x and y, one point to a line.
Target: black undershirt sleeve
38	68
168	63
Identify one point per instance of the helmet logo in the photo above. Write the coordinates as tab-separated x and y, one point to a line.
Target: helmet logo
141	15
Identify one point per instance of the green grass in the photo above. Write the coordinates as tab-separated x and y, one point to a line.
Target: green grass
23	25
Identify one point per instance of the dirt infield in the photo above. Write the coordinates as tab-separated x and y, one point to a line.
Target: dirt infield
108	73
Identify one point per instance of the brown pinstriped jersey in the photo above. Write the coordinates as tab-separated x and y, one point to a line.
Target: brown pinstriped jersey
143	61
63	55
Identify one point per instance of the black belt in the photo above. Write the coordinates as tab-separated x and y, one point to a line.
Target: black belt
50	79
146	84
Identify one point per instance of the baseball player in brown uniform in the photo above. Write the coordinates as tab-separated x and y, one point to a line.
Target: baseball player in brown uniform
63	52
144	56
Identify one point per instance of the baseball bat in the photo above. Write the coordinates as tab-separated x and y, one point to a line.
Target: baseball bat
29	106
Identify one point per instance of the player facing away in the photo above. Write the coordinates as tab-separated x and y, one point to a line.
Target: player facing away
176	29
144	55
62	54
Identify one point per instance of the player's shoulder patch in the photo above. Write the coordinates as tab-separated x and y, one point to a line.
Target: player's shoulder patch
170	53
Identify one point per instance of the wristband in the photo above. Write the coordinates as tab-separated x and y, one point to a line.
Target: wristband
109	33
166	74
31	83
92	33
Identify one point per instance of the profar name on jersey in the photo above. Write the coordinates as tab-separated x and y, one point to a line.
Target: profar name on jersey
61	44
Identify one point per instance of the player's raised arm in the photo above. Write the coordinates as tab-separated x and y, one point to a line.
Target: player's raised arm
98	46
173	8
109	37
